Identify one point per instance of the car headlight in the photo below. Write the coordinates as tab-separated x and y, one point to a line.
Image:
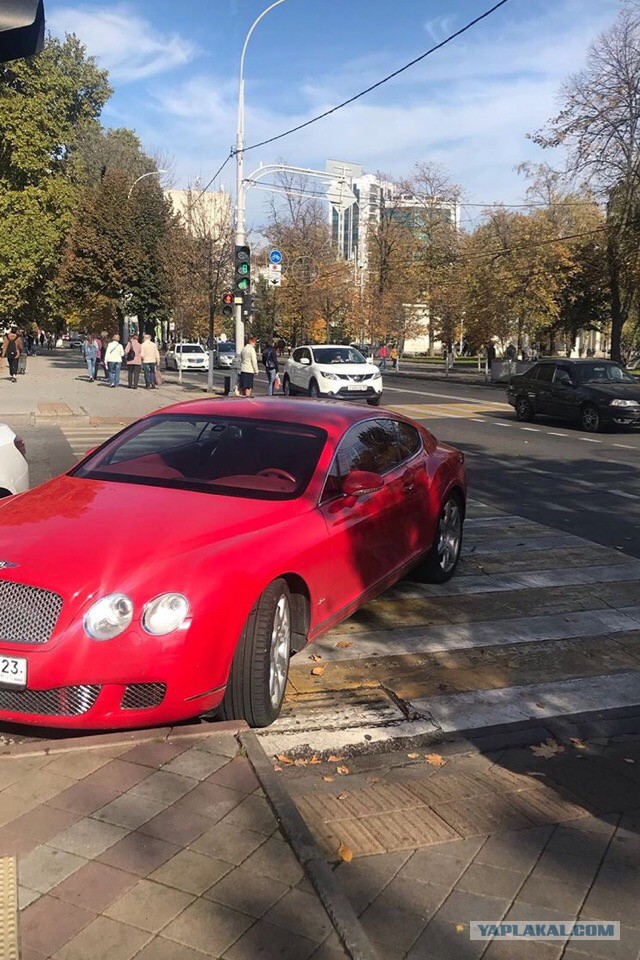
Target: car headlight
377	375
329	376
624	403
165	614
109	617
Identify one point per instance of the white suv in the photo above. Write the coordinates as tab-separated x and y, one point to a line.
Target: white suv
332	371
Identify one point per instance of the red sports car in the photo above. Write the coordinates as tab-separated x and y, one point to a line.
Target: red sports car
175	569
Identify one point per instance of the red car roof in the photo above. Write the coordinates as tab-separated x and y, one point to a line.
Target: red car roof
331	415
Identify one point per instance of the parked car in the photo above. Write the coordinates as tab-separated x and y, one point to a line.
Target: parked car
332	371
75	340
596	393
224	355
272	522
14	469
187	356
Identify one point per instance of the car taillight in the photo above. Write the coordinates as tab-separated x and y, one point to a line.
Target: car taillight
20	445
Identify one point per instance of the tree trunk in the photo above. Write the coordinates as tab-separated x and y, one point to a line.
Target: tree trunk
617	314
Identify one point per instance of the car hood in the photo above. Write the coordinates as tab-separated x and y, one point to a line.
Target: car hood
75	536
615	391
352	369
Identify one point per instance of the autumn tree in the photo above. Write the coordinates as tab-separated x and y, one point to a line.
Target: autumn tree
598	127
47	104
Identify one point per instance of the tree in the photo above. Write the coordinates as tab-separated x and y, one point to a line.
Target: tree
47	104
599	126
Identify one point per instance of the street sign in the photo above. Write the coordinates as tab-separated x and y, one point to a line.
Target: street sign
275	274
340	195
275	256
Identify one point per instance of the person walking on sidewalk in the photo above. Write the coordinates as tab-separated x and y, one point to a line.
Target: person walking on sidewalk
22	362
383	354
12	349
90	354
270	361
394	357
248	367
150	361
113	359
134	361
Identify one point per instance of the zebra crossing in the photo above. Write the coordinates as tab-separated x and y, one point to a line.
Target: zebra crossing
536	625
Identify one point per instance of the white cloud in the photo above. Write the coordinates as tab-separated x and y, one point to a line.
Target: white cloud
123	42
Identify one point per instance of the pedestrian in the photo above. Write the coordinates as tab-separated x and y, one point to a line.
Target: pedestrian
134	361
491	354
22	361
248	367
270	361
50	342
90	354
41	338
150	358
99	351
394	357
113	359
383	354
104	339
12	349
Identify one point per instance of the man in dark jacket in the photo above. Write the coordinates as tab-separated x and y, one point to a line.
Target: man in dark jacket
270	361
11	349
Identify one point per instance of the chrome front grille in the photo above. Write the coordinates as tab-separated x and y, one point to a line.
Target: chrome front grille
142	696
59	702
27	614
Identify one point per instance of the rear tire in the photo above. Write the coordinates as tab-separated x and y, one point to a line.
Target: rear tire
260	667
590	419
441	562
524	410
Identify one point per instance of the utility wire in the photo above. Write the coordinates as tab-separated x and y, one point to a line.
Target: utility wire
530	246
374	86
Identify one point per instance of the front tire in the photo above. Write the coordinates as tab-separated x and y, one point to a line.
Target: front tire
590	419
314	390
286	387
260	667
441	562
375	401
524	410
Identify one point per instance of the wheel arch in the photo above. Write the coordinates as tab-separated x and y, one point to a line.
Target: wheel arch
300	608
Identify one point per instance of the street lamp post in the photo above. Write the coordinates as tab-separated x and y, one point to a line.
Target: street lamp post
152	173
240	184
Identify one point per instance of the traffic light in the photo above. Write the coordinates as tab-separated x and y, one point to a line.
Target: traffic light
227	304
247	307
243	270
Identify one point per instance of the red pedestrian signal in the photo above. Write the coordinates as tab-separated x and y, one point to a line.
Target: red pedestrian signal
227	304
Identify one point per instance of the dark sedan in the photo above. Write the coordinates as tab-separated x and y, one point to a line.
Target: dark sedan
596	393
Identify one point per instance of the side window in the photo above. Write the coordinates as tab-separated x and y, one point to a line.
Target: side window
545	374
295	356
532	374
409	441
372	446
307	354
561	373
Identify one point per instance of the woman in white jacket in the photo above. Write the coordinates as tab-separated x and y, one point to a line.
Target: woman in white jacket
113	359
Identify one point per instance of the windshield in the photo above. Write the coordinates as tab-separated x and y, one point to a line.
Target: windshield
191	348
216	455
227	347
337	355
603	373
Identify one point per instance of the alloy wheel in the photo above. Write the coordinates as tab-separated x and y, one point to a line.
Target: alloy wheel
590	419
280	651
449	535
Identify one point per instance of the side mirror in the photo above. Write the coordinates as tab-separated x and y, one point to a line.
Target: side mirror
360	482
305	361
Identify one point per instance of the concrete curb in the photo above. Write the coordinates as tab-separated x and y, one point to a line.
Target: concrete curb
192	731
323	879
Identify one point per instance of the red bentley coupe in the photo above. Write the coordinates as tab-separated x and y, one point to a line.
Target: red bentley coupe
176	568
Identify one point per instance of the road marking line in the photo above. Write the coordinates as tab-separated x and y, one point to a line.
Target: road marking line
589	440
497	423
624	446
532	429
557	434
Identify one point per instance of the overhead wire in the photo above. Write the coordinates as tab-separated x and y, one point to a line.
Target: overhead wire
530	246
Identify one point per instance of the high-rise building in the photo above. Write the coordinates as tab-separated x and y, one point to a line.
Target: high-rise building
200	212
374	198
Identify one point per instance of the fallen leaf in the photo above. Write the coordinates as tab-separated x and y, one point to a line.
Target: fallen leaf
282	759
342	796
345	853
628	760
317	671
413	756
540	705
300	763
550	748
315	656
278	769
333	759
342	770
459	927
315	759
343	644
578	743
434	759
328	779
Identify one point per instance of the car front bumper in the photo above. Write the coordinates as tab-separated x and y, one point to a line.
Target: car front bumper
622	416
133	681
351	391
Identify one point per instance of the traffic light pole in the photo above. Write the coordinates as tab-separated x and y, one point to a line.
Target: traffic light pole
241	186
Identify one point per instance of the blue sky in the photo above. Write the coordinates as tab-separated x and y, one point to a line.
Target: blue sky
174	65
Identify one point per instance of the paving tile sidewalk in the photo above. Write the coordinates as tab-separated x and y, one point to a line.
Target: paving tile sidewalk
165	850
507	835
